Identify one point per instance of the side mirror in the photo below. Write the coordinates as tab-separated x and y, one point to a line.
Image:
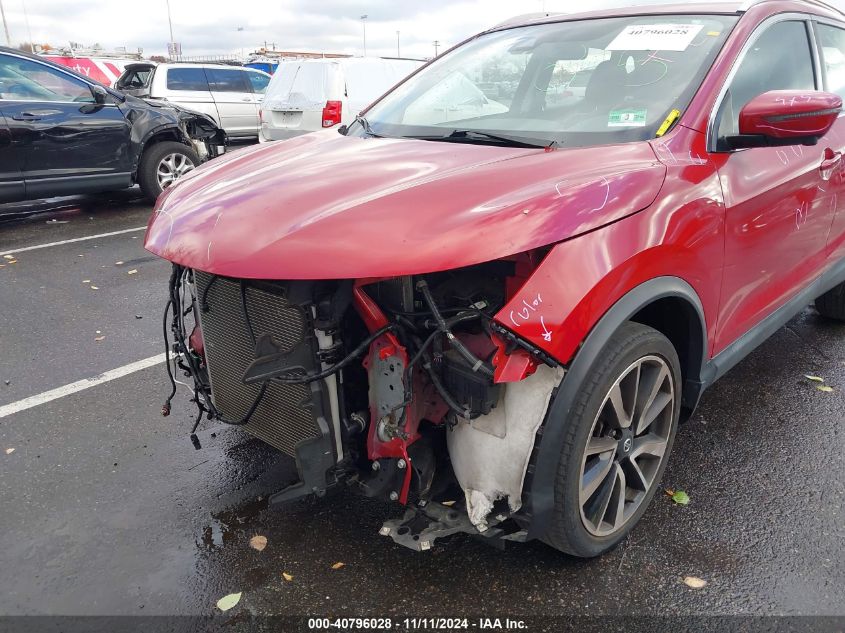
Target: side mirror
786	117
101	95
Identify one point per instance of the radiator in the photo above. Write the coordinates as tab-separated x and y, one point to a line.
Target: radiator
287	414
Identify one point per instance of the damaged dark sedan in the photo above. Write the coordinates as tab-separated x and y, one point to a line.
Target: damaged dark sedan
62	134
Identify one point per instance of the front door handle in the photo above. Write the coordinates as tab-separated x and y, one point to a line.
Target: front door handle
26	116
830	162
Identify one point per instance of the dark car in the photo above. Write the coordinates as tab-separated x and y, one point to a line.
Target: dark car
63	134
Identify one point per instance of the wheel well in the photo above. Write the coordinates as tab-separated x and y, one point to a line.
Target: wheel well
168	134
678	320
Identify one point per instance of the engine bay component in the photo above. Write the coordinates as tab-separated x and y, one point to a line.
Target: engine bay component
386	384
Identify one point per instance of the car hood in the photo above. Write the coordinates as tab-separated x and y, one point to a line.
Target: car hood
326	206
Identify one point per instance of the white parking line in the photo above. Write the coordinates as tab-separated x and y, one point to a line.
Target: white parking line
79	385
14	251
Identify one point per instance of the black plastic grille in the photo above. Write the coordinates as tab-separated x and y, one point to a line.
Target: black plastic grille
285	417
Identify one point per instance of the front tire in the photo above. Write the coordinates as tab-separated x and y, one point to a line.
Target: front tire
617	441
162	165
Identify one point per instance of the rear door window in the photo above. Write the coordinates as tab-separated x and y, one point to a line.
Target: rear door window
259	82
833	55
187	79
227	80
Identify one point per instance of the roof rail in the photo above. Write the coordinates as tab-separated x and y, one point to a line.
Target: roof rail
819	3
526	17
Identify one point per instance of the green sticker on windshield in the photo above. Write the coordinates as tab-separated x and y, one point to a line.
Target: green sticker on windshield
634	117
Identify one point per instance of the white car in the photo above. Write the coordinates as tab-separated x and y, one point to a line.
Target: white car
309	95
231	95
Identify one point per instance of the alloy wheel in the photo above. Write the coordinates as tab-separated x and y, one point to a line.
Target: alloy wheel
171	168
626	445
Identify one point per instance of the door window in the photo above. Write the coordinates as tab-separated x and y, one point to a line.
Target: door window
26	80
227	80
780	59
187	79
259	82
833	54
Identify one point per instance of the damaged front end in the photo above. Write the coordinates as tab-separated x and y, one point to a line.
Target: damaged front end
409	389
208	140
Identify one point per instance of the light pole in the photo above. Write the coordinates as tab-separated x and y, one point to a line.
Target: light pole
364	23
5	25
436	45
172	46
28	30
241	40
398	52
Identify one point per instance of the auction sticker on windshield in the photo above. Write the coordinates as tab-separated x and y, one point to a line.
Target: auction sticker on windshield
655	37
634	117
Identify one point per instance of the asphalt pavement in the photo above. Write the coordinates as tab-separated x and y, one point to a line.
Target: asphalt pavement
107	508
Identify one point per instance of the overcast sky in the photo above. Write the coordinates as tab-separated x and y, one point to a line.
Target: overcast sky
211	26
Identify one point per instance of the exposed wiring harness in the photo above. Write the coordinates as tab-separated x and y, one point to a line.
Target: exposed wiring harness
475	363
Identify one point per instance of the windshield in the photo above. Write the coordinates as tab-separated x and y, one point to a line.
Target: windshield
578	83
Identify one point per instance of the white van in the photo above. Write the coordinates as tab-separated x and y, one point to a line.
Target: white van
231	95
309	95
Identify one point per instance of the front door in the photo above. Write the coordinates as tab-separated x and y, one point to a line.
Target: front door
777	213
64	141
235	100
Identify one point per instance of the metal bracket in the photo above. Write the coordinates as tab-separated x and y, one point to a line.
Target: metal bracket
422	525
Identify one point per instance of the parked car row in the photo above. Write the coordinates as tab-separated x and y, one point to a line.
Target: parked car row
62	134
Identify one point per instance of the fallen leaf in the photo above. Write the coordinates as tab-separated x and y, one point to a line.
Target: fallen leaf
824	388
94	288
8	256
9	451
680	497
80	255
86	281
118	263
669	492
694	582
814	378
287	576
13	261
227	602
100	338
258	542
448	503
132	272
338	565
2	265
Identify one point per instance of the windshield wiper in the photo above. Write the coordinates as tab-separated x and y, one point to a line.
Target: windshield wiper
469	135
365	125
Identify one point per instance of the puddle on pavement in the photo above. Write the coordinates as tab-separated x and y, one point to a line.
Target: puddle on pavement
226	526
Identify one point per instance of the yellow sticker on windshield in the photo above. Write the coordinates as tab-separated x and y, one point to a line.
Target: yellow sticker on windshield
667	123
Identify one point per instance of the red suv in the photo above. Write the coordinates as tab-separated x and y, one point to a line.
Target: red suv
493	297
